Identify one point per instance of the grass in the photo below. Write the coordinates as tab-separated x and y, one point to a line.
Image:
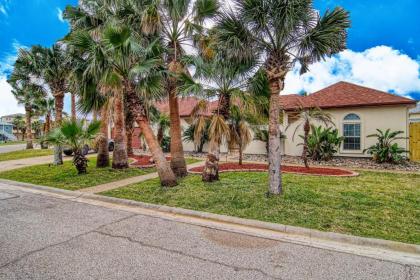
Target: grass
25	154
192	160
65	176
379	205
11	143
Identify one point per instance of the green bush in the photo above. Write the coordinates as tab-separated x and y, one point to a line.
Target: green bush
385	150
323	143
166	144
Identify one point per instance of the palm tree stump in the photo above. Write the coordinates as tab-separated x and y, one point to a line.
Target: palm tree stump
211	169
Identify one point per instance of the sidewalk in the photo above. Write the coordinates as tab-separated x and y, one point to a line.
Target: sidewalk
129	181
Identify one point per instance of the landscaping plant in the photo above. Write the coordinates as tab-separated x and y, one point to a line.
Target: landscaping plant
306	117
323	143
385	150
75	135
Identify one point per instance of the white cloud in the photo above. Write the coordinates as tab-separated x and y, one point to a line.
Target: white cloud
60	14
3	10
380	67
8	102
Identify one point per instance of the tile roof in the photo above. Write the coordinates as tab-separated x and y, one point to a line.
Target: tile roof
186	105
343	94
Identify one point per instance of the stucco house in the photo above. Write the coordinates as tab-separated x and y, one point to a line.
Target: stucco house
356	112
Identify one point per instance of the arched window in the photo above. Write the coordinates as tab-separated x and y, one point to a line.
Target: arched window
351	132
352	117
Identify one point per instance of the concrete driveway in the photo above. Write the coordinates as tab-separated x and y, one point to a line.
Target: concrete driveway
12	148
49	237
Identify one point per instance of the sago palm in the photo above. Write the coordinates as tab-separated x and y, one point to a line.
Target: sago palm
280	33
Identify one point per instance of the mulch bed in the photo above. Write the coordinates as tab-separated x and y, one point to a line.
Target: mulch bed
230	166
143	161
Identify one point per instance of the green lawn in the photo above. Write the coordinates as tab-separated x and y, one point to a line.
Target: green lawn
380	205
65	176
25	154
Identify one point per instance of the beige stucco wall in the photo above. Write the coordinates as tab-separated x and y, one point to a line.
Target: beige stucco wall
384	117
372	118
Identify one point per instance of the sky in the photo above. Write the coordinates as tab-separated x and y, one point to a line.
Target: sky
383	45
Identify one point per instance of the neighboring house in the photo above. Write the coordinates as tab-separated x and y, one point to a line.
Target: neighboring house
356	112
414	116
10	118
6	132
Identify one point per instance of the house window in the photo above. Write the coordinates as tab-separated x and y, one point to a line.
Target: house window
351	132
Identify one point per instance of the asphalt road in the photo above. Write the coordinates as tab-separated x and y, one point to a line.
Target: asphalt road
44	237
12	148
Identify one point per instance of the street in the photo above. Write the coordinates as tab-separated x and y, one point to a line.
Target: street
12	148
47	237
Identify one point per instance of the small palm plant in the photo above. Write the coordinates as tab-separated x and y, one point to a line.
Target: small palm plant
385	150
306	117
76	135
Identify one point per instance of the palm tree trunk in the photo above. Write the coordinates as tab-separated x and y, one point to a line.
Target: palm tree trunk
306	129
160	135
80	162
28	115
59	104
166	175
120	158
129	126
211	167
178	163
73	107
47	123
102	159
274	151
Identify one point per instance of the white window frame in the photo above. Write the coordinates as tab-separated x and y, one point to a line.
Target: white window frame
359	122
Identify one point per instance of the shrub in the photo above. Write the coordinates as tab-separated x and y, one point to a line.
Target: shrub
385	150
166	144
323	143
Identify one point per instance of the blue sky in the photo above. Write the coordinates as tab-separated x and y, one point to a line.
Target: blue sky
383	44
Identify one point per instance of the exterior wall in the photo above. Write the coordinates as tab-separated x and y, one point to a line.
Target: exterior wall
371	118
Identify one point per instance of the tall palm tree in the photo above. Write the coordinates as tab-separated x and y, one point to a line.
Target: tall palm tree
179	23
280	33
306	117
227	81
130	63
20	126
26	91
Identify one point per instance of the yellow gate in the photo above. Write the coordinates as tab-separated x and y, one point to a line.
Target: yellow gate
415	141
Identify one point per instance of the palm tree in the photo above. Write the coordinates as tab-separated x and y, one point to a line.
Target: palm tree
19	125
26	91
281	33
45	107
306	117
125	62
227	81
37	127
50	66
239	130
179	23
75	135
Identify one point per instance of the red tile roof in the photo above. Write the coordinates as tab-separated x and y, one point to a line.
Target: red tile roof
186	105
343	94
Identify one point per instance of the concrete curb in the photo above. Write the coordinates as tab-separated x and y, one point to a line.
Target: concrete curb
303	232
